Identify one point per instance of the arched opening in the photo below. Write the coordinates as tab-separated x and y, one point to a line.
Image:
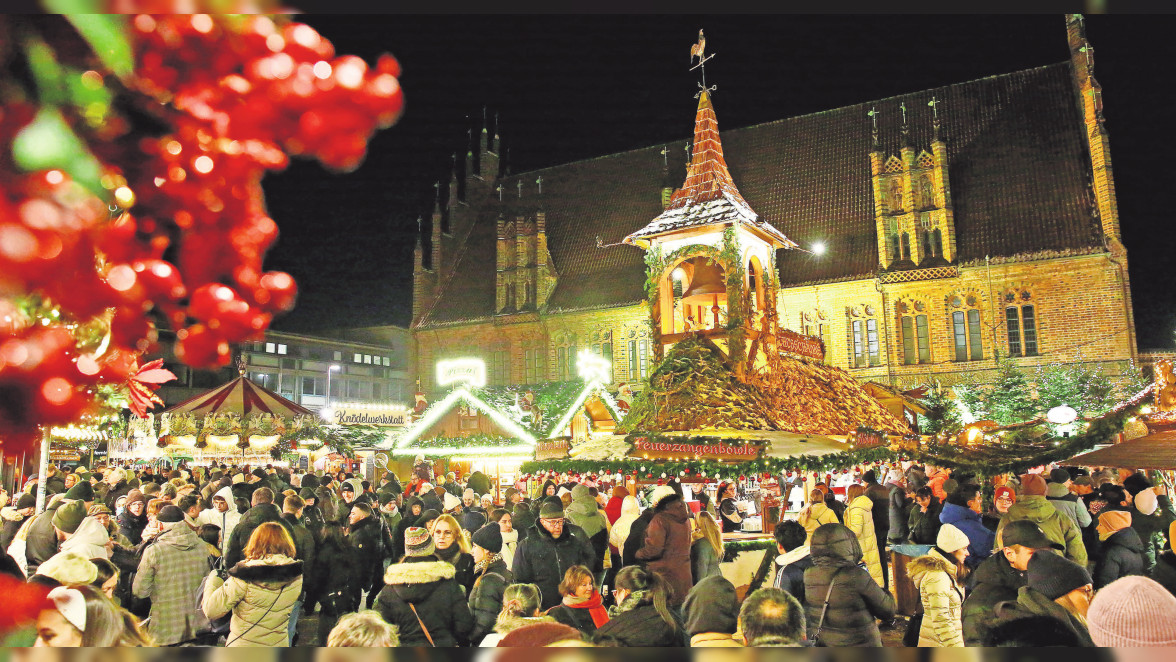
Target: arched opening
696	293
755	285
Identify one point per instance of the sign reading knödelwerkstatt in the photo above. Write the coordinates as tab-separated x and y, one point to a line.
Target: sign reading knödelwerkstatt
393	417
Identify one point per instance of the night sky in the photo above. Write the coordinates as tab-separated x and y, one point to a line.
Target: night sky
573	87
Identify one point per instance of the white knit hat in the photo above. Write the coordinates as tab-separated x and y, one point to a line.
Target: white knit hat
69	568
950	538
1133	611
451	501
660	492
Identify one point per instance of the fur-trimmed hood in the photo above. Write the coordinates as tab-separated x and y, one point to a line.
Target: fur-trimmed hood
10	514
931	562
508	623
792	556
273	570
415	582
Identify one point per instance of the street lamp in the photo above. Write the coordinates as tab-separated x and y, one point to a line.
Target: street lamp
327	413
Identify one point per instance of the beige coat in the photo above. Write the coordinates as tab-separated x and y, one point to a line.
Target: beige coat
260	594
942	601
814	516
860	519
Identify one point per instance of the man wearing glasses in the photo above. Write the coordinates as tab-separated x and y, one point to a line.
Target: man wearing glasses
548	551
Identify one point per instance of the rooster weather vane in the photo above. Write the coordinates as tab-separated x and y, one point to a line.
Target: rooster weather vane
699	50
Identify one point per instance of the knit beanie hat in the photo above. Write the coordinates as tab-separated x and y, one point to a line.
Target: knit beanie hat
539	635
428	516
259	473
950	538
1032	485
418	542
386	498
1133	611
26	501
1005	490
310	481
69	568
1111	522
83	491
711	606
1145	502
170	513
1054	575
98	509
69	517
451	502
347	487
135	495
551	509
1059	475
307	493
488	537
468	494
658	493
1136	483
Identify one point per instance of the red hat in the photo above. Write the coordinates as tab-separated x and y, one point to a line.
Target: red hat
1005	490
539	634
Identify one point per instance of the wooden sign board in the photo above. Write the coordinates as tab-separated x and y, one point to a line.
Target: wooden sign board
677	451
552	450
795	343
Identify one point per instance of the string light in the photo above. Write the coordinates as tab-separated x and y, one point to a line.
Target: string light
435	412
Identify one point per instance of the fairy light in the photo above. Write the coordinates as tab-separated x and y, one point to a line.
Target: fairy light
435	412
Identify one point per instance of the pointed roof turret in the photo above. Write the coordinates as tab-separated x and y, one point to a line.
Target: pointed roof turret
709	195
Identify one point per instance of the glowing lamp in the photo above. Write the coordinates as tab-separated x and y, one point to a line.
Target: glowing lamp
819	248
592	367
469	371
1061	415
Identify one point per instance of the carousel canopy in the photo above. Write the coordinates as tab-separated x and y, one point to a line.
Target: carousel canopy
241	397
1155	451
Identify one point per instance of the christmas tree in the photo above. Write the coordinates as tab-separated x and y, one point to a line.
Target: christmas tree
943	413
1010	399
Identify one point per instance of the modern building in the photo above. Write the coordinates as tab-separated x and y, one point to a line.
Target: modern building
940	230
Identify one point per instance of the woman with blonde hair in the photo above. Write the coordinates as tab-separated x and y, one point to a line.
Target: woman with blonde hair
364	629
706	552
79	616
859	518
260	590
520	607
453	547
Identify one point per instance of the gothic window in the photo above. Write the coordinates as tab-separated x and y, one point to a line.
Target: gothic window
966	334
638	358
499	367
937	242
863	338
814	324
510	297
904	245
1021	323
916	343
602	345
533	365
529	289
895	196
925	197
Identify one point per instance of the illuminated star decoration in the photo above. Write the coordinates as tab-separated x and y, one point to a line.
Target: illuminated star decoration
142	384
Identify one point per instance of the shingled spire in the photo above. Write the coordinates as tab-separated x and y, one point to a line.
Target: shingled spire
709	195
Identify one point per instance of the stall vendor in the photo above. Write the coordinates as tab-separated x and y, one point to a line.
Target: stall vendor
730	511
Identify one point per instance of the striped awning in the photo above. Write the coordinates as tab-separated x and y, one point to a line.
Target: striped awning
243	397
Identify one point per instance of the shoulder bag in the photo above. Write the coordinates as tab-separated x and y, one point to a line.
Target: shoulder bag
825	608
422	624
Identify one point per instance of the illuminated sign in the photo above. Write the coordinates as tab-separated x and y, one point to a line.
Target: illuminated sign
552	450
471	372
662	450
592	367
357	414
795	343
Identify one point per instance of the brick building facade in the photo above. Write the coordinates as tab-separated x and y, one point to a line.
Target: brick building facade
956	223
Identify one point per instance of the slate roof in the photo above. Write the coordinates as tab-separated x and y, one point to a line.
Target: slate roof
1018	169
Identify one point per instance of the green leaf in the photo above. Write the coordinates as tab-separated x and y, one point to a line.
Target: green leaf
48	142
107	34
46	71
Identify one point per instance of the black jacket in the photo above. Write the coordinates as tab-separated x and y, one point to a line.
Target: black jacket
790	577
900	513
880	497
581	619
463	564
1165	571
994	581
428	586
303	543
636	539
644	627
366	540
253	518
120	489
1120	555
924	527
542	560
407	521
41	541
473	519
312	519
486	598
856	601
334	581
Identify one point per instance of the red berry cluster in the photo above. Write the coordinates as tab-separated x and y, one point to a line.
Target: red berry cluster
236	95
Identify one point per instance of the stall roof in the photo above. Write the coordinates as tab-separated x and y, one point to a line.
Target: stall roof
1155	451
242	397
405	442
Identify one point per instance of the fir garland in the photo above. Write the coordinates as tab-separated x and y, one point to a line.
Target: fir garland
733	548
463	442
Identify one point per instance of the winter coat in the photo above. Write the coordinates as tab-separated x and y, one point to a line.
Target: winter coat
578	615
993	582
638	624
1120	555
440	604
636	537
334	581
253	518
170	574
942	599
612	510
900	514
703	560
41	540
260	593
711	614
936	484
463	565
1153	529
584	513
980	539
366	540
1165	571
303	541
327	503
312	519
1059	528
89	540
227	520
924	526
1031	602
485	600
815	516
542	560
879	508
120	489
407	521
667	546
859	519
619	532
790	576
856	601
1067	503
11	522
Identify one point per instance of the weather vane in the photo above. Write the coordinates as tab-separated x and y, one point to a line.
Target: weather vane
699	50
419	220
934	103
902	107
520	183
873	115
540	183
665	155
499	189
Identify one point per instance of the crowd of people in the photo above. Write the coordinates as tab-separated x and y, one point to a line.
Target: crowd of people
236	556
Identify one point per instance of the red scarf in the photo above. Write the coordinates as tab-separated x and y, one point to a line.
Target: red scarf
594	605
